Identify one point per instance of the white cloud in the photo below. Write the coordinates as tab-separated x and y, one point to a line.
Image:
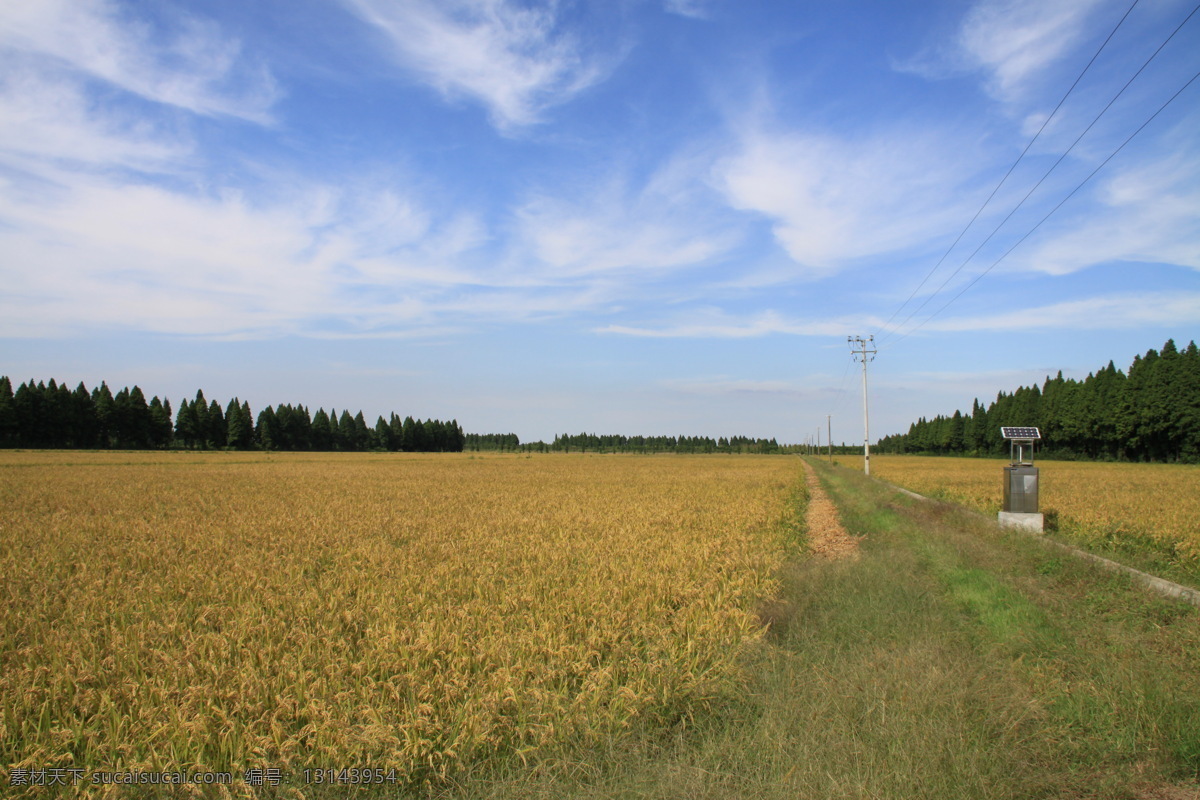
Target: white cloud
1143	214
716	324
197	67
1109	312
1012	43
608	228
835	200
1014	40
515	58
575	241
695	9
736	386
47	120
110	255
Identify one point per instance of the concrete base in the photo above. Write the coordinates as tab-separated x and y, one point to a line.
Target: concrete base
1030	522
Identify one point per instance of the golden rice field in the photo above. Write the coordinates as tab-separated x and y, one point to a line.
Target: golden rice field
427	613
1116	505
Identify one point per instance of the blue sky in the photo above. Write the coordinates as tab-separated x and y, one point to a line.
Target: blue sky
631	216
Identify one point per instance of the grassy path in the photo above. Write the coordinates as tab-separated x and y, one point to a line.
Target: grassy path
948	660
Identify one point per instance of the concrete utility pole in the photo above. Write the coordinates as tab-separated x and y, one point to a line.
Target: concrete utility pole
864	354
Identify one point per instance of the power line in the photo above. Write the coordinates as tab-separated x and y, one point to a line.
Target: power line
1046	175
1057	207
1008	173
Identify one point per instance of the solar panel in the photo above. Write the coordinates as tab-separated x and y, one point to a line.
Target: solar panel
1020	433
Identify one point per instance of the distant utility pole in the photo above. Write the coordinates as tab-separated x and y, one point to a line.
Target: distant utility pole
829	432
865	352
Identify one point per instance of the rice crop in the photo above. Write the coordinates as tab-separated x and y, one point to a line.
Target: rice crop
1118	506
427	614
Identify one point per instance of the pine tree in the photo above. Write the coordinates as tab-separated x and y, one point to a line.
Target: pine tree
106	409
86	427
382	435
9	429
160	422
1187	432
322	436
396	435
346	433
239	431
266	431
200	412
218	432
185	424
362	434
137	419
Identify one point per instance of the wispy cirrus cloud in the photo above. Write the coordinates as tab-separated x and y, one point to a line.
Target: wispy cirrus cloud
1106	312
575	241
668	223
1013	40
832	200
196	67
143	257
714	323
695	9
517	59
1009	42
724	385
50	121
1144	213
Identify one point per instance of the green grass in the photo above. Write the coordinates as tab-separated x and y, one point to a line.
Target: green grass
952	660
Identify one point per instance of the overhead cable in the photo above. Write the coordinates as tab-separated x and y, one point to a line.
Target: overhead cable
986	202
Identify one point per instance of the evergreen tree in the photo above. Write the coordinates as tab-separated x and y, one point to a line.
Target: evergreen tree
362	434
106	409
347	436
239	427
396	434
249	419
185	424
218	432
322	435
160	422
266	431
55	415
139	427
8	414
85	426
203	427
382	437
1187	431
26	408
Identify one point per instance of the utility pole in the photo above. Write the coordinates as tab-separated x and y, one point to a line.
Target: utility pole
864	354
829	432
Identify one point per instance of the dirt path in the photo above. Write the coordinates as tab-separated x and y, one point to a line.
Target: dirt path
826	536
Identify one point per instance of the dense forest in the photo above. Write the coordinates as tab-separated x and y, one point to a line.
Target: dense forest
1150	413
51	415
613	443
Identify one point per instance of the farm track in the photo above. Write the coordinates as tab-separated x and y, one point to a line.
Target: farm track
827	537
1160	585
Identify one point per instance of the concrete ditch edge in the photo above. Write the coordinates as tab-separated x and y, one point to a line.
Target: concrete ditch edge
1153	582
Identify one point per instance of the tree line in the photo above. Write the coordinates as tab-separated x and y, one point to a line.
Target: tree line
1150	413
51	415
614	443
